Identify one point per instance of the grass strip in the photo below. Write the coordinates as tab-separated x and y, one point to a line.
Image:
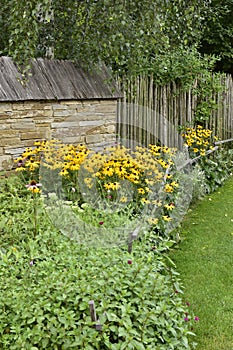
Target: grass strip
204	260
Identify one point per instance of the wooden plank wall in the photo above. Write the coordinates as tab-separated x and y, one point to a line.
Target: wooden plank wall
149	113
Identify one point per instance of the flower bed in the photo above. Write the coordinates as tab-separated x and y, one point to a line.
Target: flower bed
48	280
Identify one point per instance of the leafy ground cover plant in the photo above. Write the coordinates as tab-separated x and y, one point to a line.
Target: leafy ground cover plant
47	282
217	168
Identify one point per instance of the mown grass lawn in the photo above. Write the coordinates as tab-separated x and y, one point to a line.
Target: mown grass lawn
205	262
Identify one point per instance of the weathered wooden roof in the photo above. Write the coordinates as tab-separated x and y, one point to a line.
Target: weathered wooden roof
54	80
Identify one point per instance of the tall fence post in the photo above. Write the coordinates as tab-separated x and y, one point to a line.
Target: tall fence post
150	106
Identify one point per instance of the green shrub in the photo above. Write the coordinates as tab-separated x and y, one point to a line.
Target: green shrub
45	295
217	168
199	183
47	282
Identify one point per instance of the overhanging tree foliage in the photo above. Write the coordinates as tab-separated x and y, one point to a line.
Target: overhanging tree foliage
129	36
217	37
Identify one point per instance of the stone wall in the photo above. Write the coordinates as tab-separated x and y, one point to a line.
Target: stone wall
89	121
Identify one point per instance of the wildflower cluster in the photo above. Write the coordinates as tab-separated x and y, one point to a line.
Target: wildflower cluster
117	167
55	154
165	156
198	140
30	159
141	179
64	158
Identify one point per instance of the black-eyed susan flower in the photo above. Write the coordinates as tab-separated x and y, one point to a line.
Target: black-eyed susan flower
112	186
174	184
198	140
166	218
141	190
157	202
123	199
170	206
34	187
145	201
202	152
89	182
64	172
153	221
169	188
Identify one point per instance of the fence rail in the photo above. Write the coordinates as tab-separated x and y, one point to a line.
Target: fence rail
194	160
149	113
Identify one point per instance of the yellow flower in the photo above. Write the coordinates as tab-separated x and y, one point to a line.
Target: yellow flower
108	171
34	187
168	188
145	201
202	152
74	167
174	184
189	143
132	178
166	218
120	171
20	168
163	163
88	182
141	190
165	149
169	206
123	199
37	143
149	182
112	186
63	172
35	190
157	202
155	149
153	221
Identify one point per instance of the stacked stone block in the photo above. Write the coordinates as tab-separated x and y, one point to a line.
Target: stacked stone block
91	122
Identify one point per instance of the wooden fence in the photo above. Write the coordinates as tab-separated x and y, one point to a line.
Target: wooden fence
150	113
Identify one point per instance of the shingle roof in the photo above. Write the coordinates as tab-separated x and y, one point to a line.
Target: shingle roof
55	80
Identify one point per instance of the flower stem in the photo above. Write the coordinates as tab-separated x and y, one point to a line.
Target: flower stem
35	214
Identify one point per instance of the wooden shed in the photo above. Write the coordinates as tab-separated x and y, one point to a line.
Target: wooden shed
59	101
